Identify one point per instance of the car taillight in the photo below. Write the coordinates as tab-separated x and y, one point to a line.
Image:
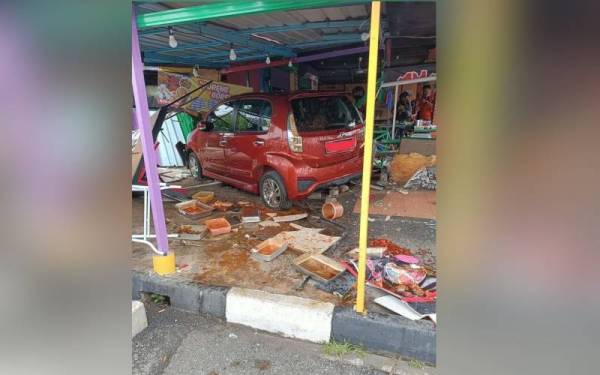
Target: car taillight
293	137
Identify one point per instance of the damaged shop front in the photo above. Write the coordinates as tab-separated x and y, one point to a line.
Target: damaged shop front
360	235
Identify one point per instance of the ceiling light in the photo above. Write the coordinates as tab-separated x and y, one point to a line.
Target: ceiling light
268	60
172	40
364	37
290	64
195	71
232	54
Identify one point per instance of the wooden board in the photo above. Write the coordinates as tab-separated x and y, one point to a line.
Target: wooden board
418	204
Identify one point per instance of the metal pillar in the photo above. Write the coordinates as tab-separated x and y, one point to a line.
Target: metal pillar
142	117
368	155
395	109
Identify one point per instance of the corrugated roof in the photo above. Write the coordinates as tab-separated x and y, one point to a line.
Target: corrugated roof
195	46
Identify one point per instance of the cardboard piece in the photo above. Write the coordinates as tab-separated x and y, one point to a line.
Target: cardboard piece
307	240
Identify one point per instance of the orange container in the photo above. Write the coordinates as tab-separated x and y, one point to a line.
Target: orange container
218	226
332	210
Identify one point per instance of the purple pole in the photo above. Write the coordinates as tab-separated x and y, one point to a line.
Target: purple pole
142	116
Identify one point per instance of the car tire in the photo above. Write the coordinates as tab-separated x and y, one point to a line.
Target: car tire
273	192
194	166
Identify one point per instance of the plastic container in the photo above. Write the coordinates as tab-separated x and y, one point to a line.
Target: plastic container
204	196
193	209
218	226
191	232
319	267
269	249
332	210
250	215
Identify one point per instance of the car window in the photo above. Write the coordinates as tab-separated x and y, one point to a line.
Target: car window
324	112
253	115
222	118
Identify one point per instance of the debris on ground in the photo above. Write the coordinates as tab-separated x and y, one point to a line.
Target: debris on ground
269	223
316	196
397	272
169	175
375	252
280	219
403	166
424	178
204	196
319	267
193	209
269	249
222	205
332	210
307	240
250	214
218	226
191	232
176	194
402	308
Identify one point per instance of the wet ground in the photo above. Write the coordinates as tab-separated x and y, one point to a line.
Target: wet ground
225	260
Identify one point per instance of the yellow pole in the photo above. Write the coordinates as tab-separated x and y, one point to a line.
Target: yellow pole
368	156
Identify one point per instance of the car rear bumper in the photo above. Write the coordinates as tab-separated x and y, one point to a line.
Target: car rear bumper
309	179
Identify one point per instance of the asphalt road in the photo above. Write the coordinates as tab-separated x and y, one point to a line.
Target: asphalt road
176	342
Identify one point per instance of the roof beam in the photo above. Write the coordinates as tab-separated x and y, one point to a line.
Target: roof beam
229	36
231	8
356	23
318	56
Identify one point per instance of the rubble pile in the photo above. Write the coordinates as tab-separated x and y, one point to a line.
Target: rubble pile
424	178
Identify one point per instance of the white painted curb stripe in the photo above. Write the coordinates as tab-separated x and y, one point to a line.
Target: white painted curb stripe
286	315
138	318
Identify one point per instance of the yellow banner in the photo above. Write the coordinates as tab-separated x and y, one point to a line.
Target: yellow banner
172	86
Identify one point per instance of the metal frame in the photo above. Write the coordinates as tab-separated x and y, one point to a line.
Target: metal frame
144	237
368	156
142	117
352	23
397	84
231	8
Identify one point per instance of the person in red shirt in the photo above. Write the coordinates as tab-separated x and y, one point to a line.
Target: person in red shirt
426	104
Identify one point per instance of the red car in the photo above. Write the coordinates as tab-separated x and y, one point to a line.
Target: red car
281	146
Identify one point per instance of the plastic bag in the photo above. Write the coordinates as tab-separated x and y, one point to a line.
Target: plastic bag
403	275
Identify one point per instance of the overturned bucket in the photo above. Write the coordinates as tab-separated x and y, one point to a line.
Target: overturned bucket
332	210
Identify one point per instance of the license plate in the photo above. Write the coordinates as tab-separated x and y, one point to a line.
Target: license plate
342	145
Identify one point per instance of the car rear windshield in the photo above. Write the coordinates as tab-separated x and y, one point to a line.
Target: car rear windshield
324	113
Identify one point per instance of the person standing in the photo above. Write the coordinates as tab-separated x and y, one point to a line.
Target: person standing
426	104
404	108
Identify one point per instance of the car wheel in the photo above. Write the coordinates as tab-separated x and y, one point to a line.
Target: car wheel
194	166
273	193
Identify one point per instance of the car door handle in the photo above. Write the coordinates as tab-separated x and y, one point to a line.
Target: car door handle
259	143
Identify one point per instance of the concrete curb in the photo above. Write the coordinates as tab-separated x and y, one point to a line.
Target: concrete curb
388	333
289	316
187	296
138	318
294	316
